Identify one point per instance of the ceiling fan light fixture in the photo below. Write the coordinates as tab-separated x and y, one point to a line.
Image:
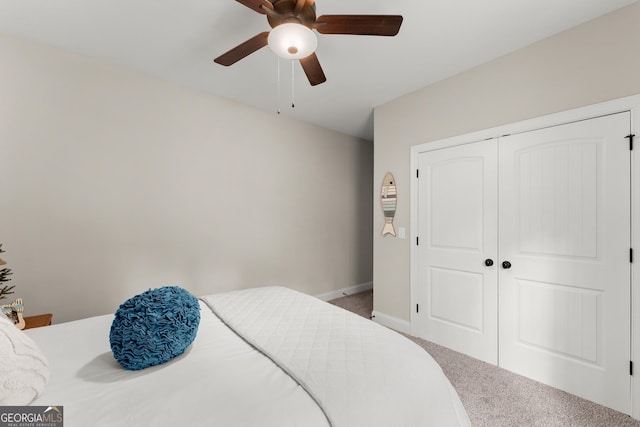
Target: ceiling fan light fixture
292	41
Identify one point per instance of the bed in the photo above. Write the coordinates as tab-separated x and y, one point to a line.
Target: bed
267	357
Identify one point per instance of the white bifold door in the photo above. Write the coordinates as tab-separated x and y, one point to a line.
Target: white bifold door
524	255
457	232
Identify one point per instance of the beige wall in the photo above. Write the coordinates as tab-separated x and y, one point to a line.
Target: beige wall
113	182
591	63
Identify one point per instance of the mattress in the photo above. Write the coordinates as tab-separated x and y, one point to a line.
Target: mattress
235	376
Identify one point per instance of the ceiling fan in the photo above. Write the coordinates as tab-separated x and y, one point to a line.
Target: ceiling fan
292	22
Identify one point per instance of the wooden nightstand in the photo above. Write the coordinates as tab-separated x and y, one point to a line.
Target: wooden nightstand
38	321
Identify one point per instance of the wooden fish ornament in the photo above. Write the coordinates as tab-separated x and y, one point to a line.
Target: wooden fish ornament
388	197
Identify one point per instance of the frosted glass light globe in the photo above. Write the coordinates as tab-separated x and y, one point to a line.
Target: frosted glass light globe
292	41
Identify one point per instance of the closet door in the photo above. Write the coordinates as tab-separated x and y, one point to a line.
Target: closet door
565	232
457	228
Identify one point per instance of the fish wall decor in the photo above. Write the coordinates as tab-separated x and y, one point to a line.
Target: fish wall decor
388	197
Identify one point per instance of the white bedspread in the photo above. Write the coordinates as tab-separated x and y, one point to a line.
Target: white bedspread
219	381
359	372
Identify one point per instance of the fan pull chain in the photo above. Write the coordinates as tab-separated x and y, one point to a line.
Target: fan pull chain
278	99
293	105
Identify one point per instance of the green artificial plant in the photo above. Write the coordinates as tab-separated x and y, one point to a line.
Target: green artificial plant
4	273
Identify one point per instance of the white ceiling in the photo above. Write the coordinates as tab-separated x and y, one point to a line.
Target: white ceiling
178	39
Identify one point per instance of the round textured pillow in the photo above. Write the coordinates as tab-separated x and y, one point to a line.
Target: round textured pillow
24	370
154	327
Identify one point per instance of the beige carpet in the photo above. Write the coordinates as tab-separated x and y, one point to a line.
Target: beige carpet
494	397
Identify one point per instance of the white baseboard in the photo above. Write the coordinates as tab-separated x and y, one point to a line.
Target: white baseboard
345	291
391	322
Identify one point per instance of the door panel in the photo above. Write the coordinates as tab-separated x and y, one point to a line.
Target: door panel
565	228
557	190
457	229
559	319
456	298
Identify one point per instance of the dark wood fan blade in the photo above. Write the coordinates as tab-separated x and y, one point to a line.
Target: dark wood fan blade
243	50
313	70
363	25
257	5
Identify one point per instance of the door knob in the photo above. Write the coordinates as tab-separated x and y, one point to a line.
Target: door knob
506	265
488	262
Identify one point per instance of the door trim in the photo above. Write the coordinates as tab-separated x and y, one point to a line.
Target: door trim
631	104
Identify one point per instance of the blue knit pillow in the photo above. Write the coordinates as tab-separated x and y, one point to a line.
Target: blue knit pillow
154	327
